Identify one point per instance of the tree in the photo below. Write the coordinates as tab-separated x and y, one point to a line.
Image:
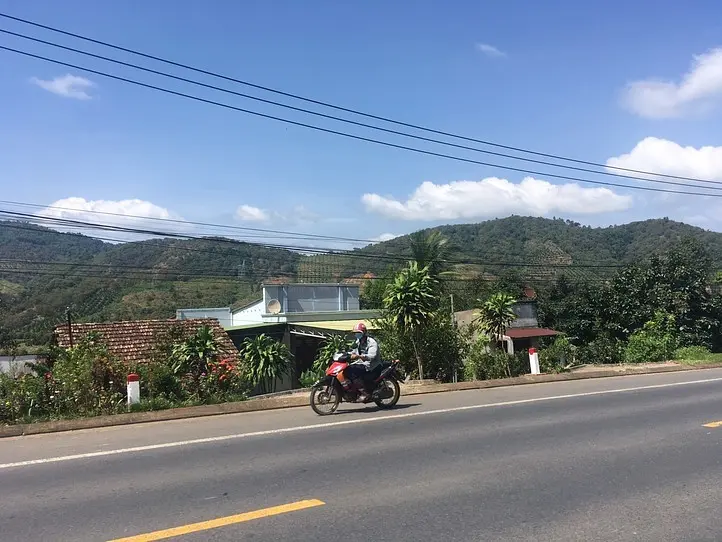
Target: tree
266	360
496	314
675	282
409	304
432	250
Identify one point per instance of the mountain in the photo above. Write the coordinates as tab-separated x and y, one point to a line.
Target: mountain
517	241
151	279
43	272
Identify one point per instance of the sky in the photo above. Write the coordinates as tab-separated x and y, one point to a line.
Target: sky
627	84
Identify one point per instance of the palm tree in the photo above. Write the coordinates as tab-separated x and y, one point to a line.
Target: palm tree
410	302
431	249
496	314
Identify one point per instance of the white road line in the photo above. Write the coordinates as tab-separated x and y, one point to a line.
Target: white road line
343	423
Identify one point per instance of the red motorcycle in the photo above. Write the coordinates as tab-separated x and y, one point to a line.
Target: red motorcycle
383	381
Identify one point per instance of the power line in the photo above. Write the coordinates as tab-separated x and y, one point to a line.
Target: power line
185	222
346	109
353	136
355	123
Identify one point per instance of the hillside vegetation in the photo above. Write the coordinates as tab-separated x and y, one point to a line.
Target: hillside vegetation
151	279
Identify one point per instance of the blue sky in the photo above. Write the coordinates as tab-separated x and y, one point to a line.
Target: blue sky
589	80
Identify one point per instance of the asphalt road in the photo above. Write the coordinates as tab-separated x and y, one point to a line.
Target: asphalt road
624	458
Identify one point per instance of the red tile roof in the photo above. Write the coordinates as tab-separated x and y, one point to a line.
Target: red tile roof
133	341
528	332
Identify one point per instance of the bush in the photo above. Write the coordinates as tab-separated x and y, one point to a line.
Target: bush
655	342
604	349
485	363
308	378
266	361
87	381
558	357
441	345
84	381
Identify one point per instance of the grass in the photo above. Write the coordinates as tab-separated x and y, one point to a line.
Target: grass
696	355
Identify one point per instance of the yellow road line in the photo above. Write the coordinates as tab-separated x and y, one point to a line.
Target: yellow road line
713	425
222	522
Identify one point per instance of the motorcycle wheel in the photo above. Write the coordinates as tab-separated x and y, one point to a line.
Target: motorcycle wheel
325	399
391	402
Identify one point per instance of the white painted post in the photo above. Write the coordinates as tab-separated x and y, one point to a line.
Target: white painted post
534	361
133	389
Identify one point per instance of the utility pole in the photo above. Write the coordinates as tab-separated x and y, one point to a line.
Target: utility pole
70	325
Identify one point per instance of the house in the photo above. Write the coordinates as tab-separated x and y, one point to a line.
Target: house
134	341
523	333
17	365
298	314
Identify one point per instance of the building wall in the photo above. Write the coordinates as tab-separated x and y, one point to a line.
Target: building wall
526	313
223	315
296	298
15	365
249	315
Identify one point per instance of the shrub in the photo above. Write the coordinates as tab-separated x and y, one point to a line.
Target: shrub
603	349
87	380
485	363
558	357
308	378
656	341
266	360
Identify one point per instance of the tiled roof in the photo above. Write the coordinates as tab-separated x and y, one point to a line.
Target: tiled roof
133	341
529	332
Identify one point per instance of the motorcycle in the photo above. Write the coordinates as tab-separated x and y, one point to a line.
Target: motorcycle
328	393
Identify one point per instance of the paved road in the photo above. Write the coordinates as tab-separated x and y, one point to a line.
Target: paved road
566	461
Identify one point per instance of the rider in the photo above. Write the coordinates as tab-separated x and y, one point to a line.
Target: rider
366	356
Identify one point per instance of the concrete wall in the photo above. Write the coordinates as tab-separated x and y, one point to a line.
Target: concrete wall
295	298
15	365
222	314
250	315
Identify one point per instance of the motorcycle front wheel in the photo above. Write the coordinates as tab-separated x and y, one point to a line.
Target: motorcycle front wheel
391	385
325	398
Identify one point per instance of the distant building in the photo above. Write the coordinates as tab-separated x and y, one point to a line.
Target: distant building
523	333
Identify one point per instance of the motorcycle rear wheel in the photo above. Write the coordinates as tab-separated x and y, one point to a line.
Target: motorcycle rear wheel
325	398
390	402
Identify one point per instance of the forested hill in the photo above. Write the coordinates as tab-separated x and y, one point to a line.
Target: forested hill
42	272
519	238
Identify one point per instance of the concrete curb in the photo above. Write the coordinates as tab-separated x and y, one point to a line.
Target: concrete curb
300	398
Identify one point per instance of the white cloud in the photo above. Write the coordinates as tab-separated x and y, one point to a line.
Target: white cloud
493	197
297	215
696	91
667	157
490	50
384	237
68	86
248	213
129	213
